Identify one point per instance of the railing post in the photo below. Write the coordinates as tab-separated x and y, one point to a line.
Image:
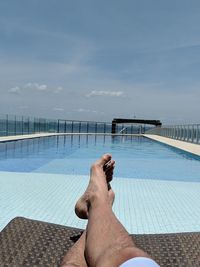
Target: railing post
65	127
45	125
15	129
178	132
79	127
181	132
192	137
39	125
6	124
95	127
72	126
187	133
22	125
34	125
58	126
28	125
195	133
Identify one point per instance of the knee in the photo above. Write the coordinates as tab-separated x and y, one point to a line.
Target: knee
121	256
132	252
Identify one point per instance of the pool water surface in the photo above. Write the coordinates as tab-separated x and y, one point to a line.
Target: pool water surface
136	157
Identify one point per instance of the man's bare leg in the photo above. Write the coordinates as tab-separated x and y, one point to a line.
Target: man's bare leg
81	208
107	241
75	256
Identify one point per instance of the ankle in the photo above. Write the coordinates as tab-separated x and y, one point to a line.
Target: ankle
98	199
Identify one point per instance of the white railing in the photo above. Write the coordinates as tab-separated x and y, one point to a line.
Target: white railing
188	133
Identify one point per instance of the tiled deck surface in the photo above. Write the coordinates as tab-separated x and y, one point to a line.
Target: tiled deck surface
143	206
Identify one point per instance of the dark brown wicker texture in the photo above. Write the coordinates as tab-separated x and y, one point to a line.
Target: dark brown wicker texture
25	242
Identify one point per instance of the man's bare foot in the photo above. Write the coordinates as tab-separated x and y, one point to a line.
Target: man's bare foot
75	256
101	175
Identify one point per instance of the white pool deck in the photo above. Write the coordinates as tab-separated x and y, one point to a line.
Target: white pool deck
143	206
25	136
189	147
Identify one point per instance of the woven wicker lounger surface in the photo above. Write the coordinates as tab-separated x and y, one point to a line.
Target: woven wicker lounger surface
25	242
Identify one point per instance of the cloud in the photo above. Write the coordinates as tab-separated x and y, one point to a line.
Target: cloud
39	87
58	109
82	110
42	87
105	93
58	90
14	90
85	110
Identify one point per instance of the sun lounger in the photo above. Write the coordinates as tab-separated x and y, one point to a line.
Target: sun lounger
25	242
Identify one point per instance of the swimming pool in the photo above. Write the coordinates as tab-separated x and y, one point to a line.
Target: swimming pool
136	157
157	187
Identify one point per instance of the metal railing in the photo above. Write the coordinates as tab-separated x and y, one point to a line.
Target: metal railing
188	133
20	125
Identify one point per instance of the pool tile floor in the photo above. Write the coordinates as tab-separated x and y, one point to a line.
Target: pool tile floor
143	206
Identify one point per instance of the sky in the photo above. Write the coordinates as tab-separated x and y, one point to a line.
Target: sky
99	60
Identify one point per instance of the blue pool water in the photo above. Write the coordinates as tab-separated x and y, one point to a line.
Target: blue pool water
136	157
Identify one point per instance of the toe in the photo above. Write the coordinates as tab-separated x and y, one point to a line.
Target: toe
109	165
103	160
109	178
